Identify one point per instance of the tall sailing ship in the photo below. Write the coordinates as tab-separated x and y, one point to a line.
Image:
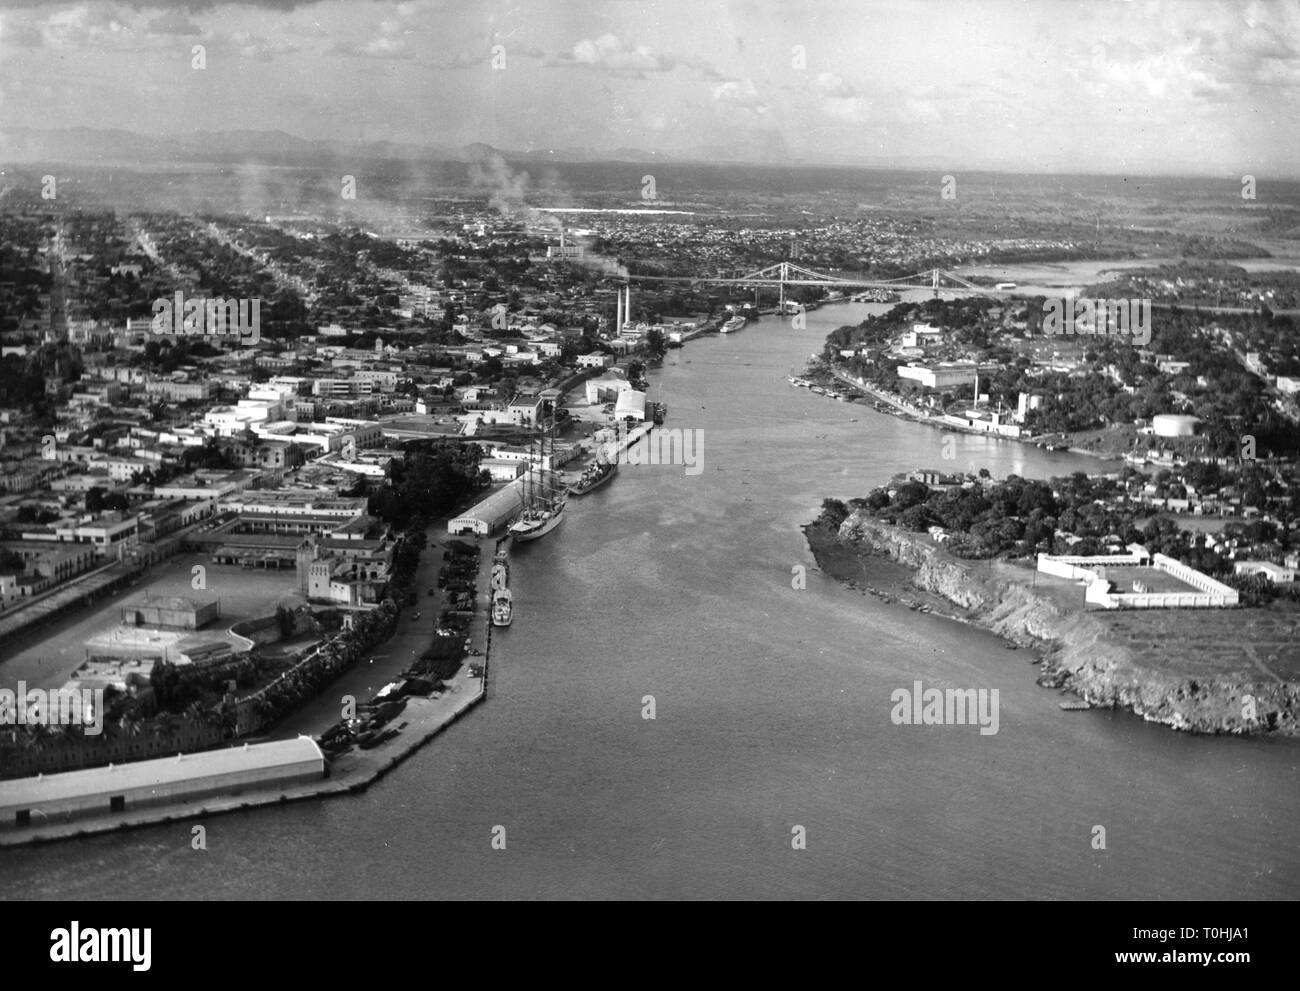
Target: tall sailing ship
543	502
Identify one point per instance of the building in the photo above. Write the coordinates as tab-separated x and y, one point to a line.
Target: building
502	469
171	612
944	375
630	406
922	335
257	452
1275	573
327	575
1098	571
1174	425
179	392
109	530
525	410
494	512
120	788
595	359
608	387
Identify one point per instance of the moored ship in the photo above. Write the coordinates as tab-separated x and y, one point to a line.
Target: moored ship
543	503
734	324
502	607
595	476
534	523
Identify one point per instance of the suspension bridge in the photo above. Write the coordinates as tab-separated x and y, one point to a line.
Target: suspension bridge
784	274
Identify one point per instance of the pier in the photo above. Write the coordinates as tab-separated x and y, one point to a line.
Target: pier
356	770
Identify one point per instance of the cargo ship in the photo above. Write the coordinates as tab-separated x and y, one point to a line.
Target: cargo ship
595	476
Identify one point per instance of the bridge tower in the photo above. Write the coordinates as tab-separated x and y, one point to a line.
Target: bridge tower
785	270
934	280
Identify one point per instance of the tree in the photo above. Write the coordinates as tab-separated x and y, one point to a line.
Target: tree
834	512
656	344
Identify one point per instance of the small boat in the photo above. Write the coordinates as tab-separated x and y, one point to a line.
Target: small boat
1075	706
500	572
502	607
381	737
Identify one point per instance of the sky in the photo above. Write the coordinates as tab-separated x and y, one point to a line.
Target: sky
1189	87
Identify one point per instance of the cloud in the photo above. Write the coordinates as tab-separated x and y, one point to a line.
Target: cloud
71	28
380	48
252	46
173	23
740	95
608	54
470	58
833	87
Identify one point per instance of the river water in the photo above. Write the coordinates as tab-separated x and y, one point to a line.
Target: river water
772	710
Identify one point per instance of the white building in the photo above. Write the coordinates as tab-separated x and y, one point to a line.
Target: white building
119	788
1275	573
941	376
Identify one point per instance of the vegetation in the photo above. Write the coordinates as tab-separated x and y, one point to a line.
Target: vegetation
1018	518
429	480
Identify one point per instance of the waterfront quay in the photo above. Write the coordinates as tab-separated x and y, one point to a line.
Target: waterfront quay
353	772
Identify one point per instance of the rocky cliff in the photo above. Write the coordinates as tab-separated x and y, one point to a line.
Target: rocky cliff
1079	651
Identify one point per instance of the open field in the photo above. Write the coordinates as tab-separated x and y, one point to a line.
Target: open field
45	658
1250	644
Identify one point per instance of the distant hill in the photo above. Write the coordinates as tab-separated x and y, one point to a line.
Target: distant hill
86	145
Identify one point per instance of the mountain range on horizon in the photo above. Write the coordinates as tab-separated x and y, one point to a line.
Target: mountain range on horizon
86	145
114	146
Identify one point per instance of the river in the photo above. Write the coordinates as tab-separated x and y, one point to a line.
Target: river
772	710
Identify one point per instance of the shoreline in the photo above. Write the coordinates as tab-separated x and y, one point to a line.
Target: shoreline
902	411
351	773
1075	650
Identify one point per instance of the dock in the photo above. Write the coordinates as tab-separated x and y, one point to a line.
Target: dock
349	773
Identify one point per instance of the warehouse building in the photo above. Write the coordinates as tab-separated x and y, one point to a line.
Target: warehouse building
171	612
630	406
183	778
492	513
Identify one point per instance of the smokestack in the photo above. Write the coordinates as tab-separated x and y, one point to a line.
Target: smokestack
618	318
627	306
561	241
